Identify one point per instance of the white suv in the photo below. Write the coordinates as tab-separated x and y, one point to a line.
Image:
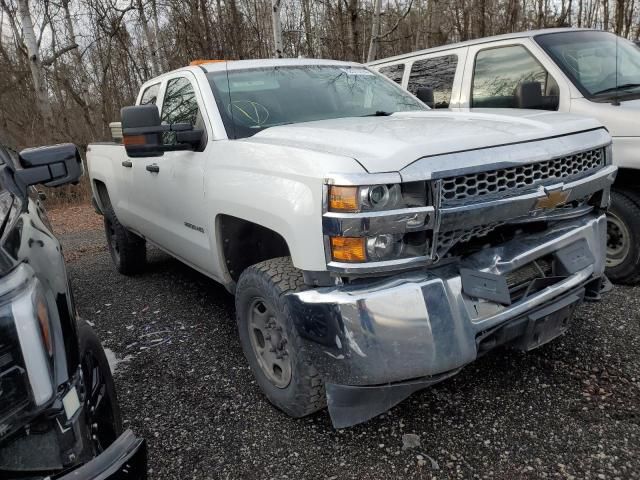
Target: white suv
566	70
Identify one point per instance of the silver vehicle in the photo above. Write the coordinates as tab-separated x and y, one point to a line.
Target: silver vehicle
586	72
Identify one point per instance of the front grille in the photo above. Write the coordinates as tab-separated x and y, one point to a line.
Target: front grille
513	180
446	240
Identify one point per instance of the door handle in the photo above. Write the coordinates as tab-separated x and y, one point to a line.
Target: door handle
153	168
127	163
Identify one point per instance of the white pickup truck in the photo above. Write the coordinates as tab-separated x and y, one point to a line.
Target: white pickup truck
375	247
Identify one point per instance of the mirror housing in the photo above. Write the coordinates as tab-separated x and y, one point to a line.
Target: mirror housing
142	133
425	95
52	166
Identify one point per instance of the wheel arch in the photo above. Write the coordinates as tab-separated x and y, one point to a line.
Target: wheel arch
245	243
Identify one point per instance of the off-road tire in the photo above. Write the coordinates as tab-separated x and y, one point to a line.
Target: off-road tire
128	250
625	206
270	281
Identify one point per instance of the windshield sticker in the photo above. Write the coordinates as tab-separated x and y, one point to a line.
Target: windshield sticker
358	71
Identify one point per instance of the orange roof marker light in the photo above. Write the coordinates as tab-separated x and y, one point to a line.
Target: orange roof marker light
200	62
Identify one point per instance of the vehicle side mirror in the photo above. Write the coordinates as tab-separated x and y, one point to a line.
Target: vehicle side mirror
52	166
529	95
425	95
142	132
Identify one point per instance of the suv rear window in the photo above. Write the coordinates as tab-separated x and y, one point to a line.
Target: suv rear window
437	73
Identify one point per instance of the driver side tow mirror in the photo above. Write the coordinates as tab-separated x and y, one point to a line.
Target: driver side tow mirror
425	95
52	166
142	133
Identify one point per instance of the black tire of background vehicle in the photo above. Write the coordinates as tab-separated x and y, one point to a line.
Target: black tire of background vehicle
270	281
105	421
625	208
128	250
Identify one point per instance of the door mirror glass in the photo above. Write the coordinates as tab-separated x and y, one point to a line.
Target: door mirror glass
52	166
425	94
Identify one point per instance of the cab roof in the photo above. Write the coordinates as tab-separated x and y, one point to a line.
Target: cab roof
272	62
477	41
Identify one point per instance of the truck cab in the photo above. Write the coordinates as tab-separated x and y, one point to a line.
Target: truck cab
585	72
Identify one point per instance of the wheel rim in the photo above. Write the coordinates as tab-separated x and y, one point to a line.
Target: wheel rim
112	240
98	404
618	240
269	342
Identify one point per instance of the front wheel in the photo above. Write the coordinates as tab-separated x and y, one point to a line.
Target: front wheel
623	238
98	393
270	341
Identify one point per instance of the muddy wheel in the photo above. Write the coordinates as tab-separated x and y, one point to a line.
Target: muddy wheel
98	394
623	238
269	340
128	251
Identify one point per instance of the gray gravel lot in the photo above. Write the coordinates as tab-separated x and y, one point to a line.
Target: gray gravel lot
567	410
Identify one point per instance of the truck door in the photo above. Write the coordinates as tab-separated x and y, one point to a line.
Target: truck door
181	215
140	189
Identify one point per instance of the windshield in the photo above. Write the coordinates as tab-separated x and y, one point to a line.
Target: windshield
254	99
589	59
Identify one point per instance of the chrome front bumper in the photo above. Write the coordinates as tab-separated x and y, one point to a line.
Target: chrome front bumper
421	325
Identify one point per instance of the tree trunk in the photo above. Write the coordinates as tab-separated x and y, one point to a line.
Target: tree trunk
277	28
308	27
605	14
375	31
352	14
148	35
79	69
37	71
619	26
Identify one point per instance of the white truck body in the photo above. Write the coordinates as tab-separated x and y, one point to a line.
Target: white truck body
197	204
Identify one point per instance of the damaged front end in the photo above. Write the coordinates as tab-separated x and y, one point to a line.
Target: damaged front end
509	250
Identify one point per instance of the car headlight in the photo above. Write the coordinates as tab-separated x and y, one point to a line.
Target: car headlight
26	347
374	198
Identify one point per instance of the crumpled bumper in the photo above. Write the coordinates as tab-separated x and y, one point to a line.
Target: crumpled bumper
125	459
376	341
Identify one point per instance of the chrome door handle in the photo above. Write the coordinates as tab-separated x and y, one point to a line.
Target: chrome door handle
153	168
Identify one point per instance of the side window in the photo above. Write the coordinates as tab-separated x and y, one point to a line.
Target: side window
150	95
180	104
394	72
436	73
510	77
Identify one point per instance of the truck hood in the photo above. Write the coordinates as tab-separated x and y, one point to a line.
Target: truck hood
385	144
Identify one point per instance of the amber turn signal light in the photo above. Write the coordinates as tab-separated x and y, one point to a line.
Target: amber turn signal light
343	199
348	249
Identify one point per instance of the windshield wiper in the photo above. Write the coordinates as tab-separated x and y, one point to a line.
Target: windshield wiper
619	87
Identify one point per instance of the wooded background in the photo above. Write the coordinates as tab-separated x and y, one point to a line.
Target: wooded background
68	66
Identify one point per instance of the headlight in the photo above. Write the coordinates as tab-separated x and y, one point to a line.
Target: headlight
26	347
378	248
373	198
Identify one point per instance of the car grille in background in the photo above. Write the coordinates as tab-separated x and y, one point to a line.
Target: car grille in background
512	180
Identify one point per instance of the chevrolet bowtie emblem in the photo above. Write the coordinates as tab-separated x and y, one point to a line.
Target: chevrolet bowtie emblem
553	199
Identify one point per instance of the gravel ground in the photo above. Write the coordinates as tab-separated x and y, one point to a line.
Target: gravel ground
567	410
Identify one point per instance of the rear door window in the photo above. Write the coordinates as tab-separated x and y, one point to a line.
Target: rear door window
436	73
510	77
150	95
394	72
